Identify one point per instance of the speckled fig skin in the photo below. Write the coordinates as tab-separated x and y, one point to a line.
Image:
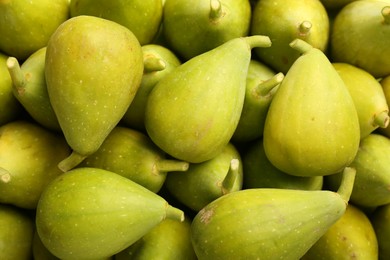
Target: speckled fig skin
93	69
380	221
360	36
312	126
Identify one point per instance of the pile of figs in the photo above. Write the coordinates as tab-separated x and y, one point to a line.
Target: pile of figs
208	129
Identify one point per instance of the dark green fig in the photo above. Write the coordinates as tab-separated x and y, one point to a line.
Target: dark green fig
259	172
372	163
29	87
351	237
26	26
91	85
312	126
267	223
380	220
159	61
192	28
10	108
361	36
285	20
29	155
16	233
91	213
142	17
169	240
385	83
261	85
368	96
132	154
192	113
207	181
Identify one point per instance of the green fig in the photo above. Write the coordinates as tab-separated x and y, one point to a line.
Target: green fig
29	155
16	233
331	5
261	85
380	220
159	61
372	163
93	69
368	96
169	240
10	108
39	250
312	126
351	237
385	83
132	154
192	113
29	87
285	20
259	172
267	223
142	17
192	28
207	181
360	36
91	213
26	26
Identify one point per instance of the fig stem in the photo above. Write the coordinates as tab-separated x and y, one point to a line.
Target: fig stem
266	88
71	161
304	28
258	41
381	119
153	63
16	73
215	9
171	166
5	176
347	183
301	46
174	213
231	176
386	14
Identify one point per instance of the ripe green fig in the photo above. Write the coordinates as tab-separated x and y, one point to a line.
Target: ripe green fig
169	240
335	5
351	237
192	28
93	69
26	26
259	172
380	221
132	154
142	17
91	213
16	233
204	182
385	83
372	163
192	113
285	20
261	85
360	36
29	87
10	108
159	61
312	126
29	155
39	250
367	94
268	223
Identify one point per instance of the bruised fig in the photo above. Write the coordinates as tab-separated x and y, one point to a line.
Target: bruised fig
312	126
268	223
91	213
192	113
91	85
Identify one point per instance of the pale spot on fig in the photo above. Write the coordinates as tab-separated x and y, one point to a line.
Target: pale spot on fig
205	215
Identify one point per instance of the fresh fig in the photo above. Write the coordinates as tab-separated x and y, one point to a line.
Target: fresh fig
380	221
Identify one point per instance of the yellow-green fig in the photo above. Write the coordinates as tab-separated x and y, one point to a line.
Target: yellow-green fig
267	223
385	83
312	126
192	113
93	69
380	220
91	213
